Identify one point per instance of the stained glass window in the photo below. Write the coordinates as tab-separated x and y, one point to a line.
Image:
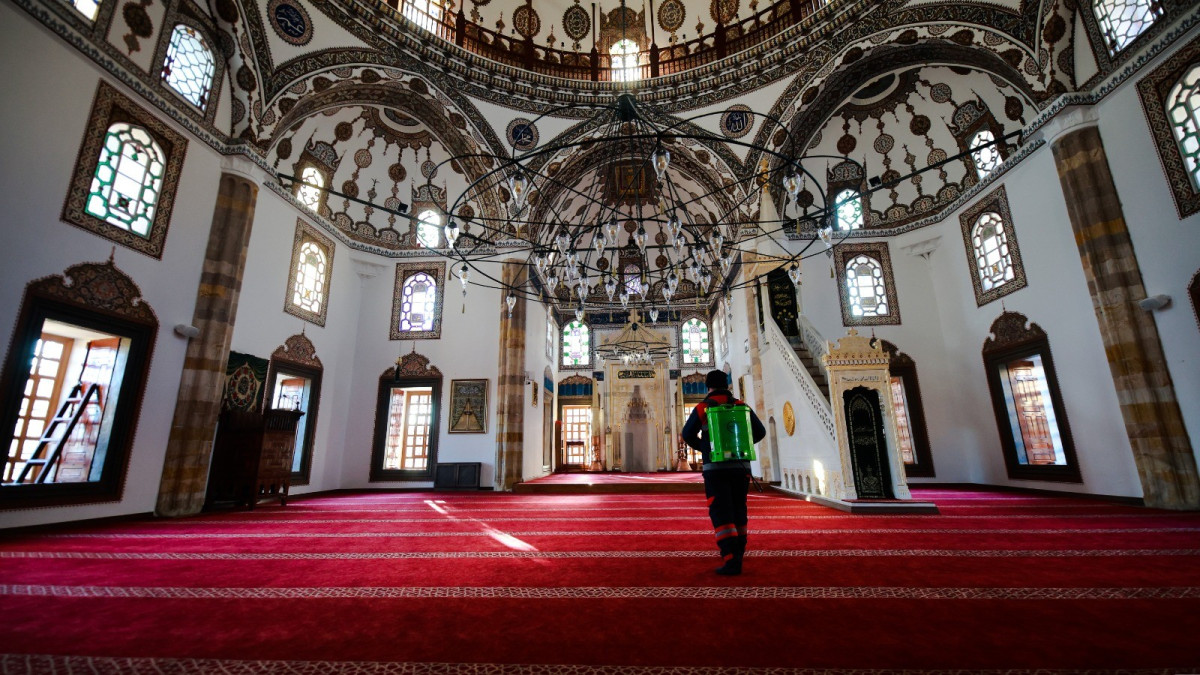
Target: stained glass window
865	287
633	279
849	210
128	179
625	61
1121	21
991	251
576	344
696	345
88	8
418	303
308	292
429	229
309	190
189	66
986	158
1183	109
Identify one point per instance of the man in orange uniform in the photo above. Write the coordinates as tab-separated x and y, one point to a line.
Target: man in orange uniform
727	483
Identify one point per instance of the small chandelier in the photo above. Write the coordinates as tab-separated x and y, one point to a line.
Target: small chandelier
635	345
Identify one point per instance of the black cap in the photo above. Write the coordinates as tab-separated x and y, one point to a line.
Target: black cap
716	379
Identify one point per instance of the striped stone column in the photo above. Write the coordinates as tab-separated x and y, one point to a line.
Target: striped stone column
1150	410
510	382
189	448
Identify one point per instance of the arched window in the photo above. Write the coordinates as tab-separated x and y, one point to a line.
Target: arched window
429	229
625	61
88	8
311	187
697	348
576	345
992	258
308	280
986	158
189	66
849	210
1183	109
1121	21
418	303
308	292
128	179
633	280
865	287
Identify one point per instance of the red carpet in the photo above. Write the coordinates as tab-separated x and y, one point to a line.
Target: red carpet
497	583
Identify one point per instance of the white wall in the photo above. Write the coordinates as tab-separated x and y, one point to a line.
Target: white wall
41	128
468	349
262	326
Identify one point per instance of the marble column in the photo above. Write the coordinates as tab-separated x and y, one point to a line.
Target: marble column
1161	448
189	447
510	382
756	370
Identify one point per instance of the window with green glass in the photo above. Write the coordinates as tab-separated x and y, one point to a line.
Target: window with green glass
576	345
128	179
696	345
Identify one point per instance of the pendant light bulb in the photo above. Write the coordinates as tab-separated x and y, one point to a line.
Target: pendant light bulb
610	230
517	183
640	238
579	314
791	183
600	242
675	226
661	159
794	274
451	232
552	282
464	274
610	287
511	301
562	241
654	316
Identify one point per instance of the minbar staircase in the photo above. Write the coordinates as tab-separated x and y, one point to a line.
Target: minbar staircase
810	364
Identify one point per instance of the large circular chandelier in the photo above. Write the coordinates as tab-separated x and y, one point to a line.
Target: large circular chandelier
626	215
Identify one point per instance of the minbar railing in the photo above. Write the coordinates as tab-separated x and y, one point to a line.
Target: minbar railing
595	66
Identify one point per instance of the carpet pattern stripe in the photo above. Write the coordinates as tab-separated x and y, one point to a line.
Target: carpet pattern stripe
552	555
45	664
610	593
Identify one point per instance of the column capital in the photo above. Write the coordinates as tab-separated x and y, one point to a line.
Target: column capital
1071	119
239	165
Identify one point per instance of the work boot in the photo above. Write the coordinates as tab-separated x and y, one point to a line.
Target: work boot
732	566
733	561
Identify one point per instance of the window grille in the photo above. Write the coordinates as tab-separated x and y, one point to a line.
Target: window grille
311	187
308	293
696	344
986	158
625	61
189	66
849	210
128	179
418	303
865	287
992	256
429	229
1121	21
576	345
1183	110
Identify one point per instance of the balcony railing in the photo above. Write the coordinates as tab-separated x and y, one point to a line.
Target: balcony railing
595	66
